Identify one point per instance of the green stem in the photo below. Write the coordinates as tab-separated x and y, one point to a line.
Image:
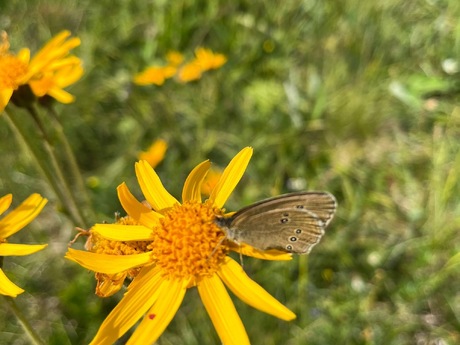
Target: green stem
33	336
73	165
49	147
57	184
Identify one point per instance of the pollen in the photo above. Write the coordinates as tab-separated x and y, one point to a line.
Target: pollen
188	242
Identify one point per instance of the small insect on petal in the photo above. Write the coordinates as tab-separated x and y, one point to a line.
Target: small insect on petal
152	316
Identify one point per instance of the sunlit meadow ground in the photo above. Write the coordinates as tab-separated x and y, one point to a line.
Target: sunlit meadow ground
353	97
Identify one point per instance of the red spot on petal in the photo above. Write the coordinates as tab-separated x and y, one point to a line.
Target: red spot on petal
151	316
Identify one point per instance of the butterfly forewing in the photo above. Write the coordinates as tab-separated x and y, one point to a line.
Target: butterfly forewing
322	204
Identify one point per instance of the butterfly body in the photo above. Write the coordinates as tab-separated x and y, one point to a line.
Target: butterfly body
292	223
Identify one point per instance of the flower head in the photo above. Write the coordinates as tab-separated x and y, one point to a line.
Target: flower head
53	68
155	153
187	249
155	75
9	225
209	60
47	73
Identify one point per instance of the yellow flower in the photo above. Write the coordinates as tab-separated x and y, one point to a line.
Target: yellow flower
189	72
209	60
174	58
13	70
187	249
210	181
155	153
47	73
204	60
53	69
9	225
155	75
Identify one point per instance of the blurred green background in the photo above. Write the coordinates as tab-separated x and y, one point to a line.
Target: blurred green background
357	98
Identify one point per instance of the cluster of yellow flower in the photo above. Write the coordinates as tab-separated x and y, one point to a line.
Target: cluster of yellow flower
204	60
163	246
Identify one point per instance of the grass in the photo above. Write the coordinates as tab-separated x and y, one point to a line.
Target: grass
349	97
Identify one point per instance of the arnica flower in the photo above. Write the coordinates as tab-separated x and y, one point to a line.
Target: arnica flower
209	60
204	60
47	73
9	225
155	75
174	58
187	250
155	153
52	68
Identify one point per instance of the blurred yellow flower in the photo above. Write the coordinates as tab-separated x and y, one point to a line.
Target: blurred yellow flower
53	69
47	73
9	225
210	181
187	249
155	75
209	60
174	58
204	60
189	72
155	153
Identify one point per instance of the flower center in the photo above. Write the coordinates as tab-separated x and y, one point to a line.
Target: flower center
188	243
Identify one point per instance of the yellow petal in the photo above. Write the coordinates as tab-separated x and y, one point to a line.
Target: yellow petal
22	215
5	202
192	185
104	263
161	313
142	293
118	232
250	292
136	209
5	95
222	311
230	177
271	254
61	95
11	249
152	188
7	287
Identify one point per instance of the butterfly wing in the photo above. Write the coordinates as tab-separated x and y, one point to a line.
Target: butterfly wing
322	204
289	229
